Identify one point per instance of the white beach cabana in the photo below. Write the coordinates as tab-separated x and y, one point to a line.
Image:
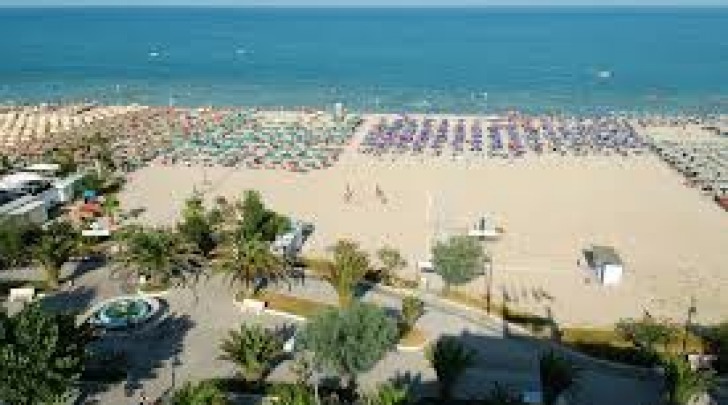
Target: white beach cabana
606	264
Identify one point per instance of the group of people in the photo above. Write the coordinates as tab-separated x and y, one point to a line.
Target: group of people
378	192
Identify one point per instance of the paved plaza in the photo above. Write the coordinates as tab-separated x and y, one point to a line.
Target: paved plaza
185	345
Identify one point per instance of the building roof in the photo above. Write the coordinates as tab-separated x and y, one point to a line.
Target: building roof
44	167
11	206
18	180
603	255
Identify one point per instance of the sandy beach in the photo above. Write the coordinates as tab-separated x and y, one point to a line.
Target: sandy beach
671	238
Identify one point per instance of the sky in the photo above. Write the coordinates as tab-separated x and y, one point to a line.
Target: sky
374	3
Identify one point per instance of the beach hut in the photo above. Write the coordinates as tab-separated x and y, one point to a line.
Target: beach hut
605	262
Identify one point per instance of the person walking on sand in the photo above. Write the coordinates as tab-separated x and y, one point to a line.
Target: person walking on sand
348	193
380	194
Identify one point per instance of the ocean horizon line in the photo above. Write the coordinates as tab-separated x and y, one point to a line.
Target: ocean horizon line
530	7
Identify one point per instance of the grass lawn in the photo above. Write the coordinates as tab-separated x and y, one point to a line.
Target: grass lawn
151	287
606	344
290	304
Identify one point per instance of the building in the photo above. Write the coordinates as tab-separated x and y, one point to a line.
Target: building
605	262
31	195
290	243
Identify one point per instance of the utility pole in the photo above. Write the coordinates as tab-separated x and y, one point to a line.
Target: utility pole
692	310
489	282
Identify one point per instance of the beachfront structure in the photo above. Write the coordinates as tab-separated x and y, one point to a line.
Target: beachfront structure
507	136
606	264
296	141
29	196
24	125
290	243
703	163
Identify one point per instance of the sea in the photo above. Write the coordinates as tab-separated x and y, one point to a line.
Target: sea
460	60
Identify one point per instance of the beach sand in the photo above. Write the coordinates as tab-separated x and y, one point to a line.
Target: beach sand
672	239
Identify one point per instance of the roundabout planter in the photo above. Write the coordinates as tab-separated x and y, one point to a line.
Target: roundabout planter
124	312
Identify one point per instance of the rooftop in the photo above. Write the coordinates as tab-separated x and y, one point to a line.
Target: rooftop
603	255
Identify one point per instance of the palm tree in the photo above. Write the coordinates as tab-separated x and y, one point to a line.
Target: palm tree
254	350
388	394
391	261
683	384
17	239
247	261
348	268
203	393
57	244
295	395
558	375
198	225
5	164
158	254
66	160
450	358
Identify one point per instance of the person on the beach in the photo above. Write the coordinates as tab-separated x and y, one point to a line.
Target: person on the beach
380	194
348	193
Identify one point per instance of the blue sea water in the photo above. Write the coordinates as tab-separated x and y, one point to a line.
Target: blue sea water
459	60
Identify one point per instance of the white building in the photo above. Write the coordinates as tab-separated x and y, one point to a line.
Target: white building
30	195
606	264
291	242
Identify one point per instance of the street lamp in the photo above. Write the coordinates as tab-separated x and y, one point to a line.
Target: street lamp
692	310
488	279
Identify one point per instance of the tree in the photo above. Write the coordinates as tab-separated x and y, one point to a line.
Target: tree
294	395
202	393
717	335
412	309
246	261
458	260
65	160
557	376
349	267
388	394
198	226
57	244
92	181
254	350
110	207
647	333
16	240
42	356
683	384
391	261
158	254
5	164
257	221
349	341
502	395
450	358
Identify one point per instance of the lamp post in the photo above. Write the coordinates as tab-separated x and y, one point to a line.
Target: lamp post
692	310
488	279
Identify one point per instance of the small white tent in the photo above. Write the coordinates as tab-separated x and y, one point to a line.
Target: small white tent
606	263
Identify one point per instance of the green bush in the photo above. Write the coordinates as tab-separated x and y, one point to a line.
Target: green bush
412	309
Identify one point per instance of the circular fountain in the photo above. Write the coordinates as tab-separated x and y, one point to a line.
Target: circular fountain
124	312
